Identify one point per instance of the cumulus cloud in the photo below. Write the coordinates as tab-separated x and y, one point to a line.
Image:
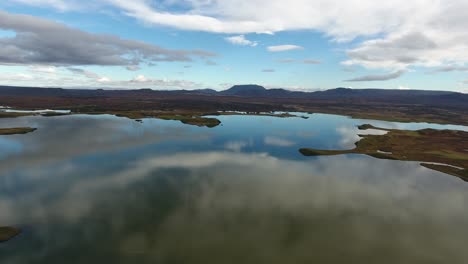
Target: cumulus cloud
398	33
337	18
241	41
383	77
43	42
281	48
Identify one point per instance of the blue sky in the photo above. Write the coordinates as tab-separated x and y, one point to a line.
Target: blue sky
190	44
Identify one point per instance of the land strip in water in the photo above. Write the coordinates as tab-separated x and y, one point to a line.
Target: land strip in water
440	150
7	233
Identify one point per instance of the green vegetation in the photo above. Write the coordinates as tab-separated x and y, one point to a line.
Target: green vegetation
190	118
428	145
13	114
7	233
16	130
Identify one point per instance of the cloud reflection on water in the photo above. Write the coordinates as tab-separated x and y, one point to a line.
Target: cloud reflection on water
125	202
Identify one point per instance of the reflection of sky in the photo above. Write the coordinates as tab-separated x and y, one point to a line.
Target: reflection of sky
105	188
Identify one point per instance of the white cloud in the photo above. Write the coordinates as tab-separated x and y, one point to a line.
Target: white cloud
22	77
43	69
278	142
398	33
81	78
402	87
57	4
241	41
280	48
140	78
104	80
237	146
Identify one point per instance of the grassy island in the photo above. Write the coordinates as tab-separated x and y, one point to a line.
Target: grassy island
190	118
7	233
440	150
16	130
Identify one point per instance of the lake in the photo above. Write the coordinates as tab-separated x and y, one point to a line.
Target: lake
104	189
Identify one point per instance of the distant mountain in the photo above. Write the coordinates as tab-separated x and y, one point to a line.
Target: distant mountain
252	90
246	90
433	98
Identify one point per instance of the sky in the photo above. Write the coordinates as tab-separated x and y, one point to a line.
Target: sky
196	44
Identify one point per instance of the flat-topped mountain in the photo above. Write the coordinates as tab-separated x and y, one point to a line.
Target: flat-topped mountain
245	90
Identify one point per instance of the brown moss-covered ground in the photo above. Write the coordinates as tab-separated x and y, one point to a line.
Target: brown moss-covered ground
16	130
432	147
7	233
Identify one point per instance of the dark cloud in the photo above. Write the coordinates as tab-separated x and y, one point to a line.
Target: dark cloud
268	70
383	77
41	41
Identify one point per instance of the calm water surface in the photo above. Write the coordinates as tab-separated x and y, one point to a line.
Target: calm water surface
102	189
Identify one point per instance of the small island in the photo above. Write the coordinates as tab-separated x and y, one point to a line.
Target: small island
441	150
16	130
7	233
195	118
189	118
